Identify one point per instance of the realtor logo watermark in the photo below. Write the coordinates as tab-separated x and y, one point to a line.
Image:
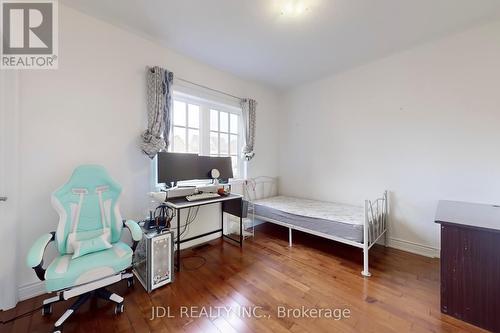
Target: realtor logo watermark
29	34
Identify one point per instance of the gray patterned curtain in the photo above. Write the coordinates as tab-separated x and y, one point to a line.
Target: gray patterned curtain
248	107
159	103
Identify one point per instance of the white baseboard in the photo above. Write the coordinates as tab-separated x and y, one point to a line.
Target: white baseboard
423	250
257	222
31	290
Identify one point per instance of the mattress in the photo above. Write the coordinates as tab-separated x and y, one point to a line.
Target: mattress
340	220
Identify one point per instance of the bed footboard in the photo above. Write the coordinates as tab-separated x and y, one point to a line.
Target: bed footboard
375	226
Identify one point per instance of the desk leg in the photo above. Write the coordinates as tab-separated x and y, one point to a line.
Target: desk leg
178	254
241	231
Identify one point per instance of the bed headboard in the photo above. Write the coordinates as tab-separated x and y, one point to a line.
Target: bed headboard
260	188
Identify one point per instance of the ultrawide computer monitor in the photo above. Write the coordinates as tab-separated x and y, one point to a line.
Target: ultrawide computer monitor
174	167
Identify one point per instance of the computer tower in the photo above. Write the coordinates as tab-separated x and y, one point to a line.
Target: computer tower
153	259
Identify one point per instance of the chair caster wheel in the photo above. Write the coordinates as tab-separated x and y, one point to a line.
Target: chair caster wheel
47	310
119	308
130	282
57	329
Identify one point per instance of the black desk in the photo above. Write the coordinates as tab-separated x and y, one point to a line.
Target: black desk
470	262
231	204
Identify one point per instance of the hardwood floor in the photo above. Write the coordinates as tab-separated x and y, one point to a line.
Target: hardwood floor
401	296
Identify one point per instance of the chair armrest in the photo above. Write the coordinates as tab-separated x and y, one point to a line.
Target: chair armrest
135	231
35	254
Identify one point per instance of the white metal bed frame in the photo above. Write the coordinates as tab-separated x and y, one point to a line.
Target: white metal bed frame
375	217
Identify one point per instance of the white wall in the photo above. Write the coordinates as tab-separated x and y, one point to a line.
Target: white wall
423	124
93	110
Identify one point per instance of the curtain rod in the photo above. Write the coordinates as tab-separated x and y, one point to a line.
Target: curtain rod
205	87
202	86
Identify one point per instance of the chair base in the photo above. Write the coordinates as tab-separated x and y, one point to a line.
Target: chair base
102	293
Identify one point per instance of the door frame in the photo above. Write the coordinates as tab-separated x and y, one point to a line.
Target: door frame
9	185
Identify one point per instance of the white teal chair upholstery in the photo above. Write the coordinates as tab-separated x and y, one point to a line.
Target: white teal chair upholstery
91	254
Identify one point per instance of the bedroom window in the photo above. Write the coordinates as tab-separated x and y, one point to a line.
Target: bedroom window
206	128
224	136
186	128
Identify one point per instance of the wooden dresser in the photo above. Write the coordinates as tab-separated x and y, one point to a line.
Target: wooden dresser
470	262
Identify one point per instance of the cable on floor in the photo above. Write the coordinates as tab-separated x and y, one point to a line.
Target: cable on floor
203	262
21	315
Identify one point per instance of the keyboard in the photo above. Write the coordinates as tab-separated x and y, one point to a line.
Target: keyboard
202	196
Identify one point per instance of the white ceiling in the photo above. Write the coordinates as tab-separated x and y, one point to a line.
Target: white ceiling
252	40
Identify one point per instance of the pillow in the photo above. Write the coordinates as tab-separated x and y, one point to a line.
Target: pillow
91	245
76	237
